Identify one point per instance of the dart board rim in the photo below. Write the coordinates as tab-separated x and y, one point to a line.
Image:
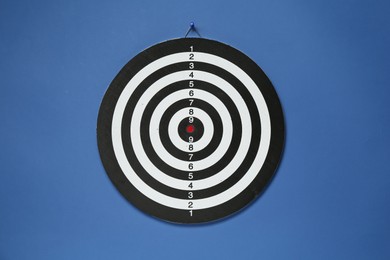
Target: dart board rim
136	197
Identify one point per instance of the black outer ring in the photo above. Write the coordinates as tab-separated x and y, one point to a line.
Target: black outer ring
136	197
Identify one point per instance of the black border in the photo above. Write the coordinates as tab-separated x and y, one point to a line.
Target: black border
116	87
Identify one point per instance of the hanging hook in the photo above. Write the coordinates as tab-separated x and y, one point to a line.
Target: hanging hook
192	28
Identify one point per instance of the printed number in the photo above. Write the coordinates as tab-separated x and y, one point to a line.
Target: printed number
190	176
190	213
191	112
191	56
190	195
190	155
192	48
191	119
191	101
190	205
190	139
190	186
191	93
191	84
191	166
191	75
191	66
191	147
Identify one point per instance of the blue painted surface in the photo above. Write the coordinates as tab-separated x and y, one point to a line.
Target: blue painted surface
329	62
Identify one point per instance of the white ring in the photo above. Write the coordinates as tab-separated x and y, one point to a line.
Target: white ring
224	196
173	133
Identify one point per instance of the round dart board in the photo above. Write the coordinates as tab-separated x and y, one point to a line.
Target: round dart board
190	131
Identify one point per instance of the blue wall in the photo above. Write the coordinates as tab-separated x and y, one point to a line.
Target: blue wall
329	62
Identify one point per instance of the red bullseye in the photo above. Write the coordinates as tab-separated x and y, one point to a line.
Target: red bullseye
190	129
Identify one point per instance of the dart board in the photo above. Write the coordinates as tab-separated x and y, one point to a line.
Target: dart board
191	130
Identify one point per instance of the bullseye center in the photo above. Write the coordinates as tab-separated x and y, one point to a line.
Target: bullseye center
190	128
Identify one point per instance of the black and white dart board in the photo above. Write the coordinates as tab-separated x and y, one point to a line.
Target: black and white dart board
191	130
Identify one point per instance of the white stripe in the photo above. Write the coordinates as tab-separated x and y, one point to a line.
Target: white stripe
173	130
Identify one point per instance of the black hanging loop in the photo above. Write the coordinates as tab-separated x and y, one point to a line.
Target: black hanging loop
192	28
